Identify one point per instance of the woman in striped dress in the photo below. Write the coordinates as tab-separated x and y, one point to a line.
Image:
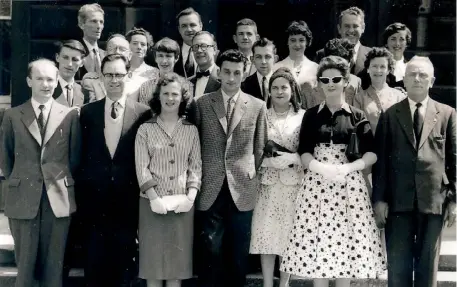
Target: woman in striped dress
168	167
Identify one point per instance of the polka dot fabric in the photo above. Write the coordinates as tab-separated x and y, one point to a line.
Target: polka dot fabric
334	234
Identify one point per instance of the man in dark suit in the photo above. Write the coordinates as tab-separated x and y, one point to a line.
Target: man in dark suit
414	180
39	153
264	57
69	59
233	132
108	180
351	25
189	23
91	20
204	48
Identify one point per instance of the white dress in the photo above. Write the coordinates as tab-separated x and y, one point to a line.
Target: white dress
273	215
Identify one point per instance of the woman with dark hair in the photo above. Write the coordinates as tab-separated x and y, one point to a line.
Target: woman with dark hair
281	176
397	37
299	38
168	164
334	234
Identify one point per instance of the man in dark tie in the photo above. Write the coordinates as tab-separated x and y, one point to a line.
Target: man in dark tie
264	55
233	131
245	37
414	180
204	48
109	186
189	23
91	20
351	25
39	155
69	59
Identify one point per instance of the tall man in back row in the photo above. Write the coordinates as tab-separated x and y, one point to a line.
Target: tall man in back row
233	132
189	23
39	154
414	179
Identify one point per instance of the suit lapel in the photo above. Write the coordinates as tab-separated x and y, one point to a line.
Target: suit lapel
56	115
212	85
30	121
217	102
240	109
78	96
57	91
429	121
405	120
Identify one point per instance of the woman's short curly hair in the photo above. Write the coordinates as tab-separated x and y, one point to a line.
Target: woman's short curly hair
334	62
339	47
300	28
380	52
395	28
286	73
140	31
164	80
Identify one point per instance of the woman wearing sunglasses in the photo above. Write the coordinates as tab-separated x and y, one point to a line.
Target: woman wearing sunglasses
334	233
281	176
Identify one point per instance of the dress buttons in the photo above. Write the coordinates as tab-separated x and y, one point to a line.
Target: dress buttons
172	161
172	177
172	145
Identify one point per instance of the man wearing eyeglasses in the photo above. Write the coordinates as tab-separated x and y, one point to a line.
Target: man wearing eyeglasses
205	80
92	82
107	174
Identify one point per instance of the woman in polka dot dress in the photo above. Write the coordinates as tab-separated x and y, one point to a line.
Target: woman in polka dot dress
334	233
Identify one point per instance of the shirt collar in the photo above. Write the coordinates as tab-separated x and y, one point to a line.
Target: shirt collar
185	47
226	97
121	101
356	47
36	104
344	106
260	77
90	47
64	83
412	104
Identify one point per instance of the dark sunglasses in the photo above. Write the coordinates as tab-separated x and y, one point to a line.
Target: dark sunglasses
326	80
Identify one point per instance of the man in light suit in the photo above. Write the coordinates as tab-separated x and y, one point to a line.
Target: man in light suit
39	153
107	175
204	48
351	25
189	23
233	133
414	180
91	20
69	59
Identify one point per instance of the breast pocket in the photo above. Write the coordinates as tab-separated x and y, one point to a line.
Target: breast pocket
438	142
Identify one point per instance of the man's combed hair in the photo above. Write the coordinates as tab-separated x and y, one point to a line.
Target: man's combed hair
74	45
140	31
114	57
199	33
300	28
88	8
380	52
246	22
264	42
355	11
334	62
186	12
234	56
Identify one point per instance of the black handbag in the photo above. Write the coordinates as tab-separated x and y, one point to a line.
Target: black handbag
353	152
271	149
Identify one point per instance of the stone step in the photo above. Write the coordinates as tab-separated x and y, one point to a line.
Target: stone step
445	279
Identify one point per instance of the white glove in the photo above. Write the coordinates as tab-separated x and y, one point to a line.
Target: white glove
347	168
171	202
186	203
291	158
157	206
267	162
328	171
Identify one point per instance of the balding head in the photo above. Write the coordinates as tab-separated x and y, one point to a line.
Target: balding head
118	44
42	79
419	78
422	62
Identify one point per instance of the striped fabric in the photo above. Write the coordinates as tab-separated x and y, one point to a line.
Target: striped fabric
169	163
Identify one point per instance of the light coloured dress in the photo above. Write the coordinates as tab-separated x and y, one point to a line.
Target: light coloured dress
273	214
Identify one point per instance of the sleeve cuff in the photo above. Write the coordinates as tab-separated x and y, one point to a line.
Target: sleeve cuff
193	184
147	185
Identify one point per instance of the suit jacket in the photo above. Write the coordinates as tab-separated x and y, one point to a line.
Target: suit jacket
83	70
30	162
109	186
359	64
402	171
213	81
93	87
234	154
78	96
251	86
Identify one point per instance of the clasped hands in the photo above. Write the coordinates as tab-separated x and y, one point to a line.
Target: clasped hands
177	203
283	160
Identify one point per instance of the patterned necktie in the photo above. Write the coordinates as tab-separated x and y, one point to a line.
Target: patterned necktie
69	95
189	68
418	123
97	61
265	89
230	107
114	110
41	122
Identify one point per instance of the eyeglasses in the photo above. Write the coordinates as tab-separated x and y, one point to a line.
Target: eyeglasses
204	47
326	80
110	76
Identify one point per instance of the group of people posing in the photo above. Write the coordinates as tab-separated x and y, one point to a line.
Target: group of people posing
202	160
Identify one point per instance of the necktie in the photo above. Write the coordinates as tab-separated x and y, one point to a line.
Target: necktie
69	95
41	122
114	110
230	106
189	69
418	123
202	74
97	61
265	89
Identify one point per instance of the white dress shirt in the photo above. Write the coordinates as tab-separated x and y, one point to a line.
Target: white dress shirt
422	109
46	110
64	84
400	69
113	127
227	97
356	51
201	83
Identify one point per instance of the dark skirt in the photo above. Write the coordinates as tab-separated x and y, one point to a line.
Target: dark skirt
165	242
